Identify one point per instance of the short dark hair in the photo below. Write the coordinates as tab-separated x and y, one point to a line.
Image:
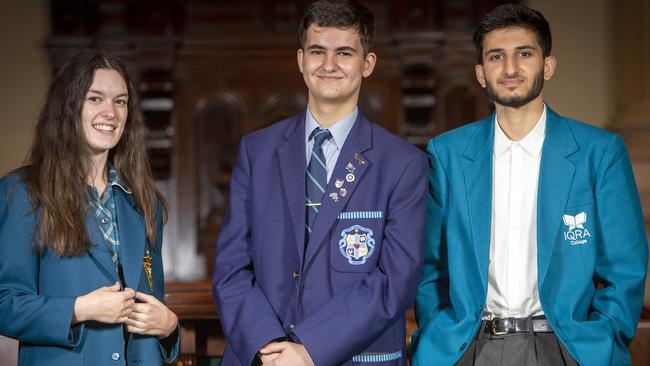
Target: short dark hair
513	15
340	14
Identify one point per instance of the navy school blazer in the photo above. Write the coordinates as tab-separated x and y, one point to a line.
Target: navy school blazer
345	296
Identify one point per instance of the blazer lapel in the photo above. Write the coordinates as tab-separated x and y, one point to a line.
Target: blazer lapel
99	252
351	160
478	185
131	228
291	158
555	179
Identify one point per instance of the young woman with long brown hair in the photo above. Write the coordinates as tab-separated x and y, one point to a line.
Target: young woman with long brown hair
81	277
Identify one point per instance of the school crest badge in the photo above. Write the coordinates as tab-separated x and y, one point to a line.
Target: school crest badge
357	244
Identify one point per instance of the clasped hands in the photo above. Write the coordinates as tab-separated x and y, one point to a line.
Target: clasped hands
112	305
285	354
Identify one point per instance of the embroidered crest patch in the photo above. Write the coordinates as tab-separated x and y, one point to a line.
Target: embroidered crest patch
357	244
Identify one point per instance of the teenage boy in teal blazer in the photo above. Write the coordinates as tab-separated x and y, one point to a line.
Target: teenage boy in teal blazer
536	252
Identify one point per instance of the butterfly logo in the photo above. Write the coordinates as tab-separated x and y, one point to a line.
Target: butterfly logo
575	221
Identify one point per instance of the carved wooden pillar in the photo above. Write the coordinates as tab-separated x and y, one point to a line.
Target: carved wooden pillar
631	25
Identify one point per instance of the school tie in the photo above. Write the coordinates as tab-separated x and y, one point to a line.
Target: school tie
316	177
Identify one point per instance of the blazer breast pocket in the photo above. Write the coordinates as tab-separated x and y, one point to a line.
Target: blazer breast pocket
356	243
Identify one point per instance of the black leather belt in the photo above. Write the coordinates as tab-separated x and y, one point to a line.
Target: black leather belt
501	326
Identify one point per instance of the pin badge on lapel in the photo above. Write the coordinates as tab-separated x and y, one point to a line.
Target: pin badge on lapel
349	177
338	183
350	168
146	261
334	196
357	157
343	192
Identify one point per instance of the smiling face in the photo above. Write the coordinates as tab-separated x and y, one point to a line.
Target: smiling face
514	69
333	64
104	111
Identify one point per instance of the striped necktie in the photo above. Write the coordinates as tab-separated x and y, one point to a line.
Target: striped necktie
316	177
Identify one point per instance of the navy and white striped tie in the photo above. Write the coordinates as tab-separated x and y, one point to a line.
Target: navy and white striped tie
316	177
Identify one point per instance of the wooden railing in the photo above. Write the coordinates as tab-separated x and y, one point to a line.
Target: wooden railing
201	334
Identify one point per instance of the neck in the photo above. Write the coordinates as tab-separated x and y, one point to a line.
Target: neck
98	177
326	114
517	122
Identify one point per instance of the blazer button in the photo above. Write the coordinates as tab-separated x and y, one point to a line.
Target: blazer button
115	356
295	275
291	325
462	347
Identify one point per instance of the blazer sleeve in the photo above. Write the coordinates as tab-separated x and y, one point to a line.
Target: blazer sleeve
433	292
622	256
26	315
331	334
249	321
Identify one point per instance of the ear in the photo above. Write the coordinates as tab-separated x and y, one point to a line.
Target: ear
369	64
299	57
549	67
480	77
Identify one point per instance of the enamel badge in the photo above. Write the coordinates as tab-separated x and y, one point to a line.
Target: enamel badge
357	244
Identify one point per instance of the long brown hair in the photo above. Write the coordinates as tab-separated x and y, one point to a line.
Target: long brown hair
60	164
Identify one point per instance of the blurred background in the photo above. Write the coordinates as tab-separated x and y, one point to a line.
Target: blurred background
209	72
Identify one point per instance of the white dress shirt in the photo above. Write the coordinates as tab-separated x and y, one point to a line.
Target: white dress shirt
512	271
331	147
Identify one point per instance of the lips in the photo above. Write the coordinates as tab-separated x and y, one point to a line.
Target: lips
329	78
103	127
510	83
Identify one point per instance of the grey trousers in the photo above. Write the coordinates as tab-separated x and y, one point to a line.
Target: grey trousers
516	349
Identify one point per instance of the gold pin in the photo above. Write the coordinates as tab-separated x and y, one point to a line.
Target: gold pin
343	192
357	157
146	261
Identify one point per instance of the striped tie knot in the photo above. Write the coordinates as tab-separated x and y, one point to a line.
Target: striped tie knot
320	135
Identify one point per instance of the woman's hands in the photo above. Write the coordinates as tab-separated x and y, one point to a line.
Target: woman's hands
106	305
151	317
111	305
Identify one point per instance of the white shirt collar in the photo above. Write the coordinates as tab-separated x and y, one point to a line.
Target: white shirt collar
530	144
339	130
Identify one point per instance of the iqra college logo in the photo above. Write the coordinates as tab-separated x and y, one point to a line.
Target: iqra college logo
576	233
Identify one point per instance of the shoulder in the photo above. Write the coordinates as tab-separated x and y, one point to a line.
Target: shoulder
454	142
271	136
13	189
15	201
393	147
587	134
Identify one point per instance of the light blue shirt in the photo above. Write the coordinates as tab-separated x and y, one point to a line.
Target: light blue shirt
332	147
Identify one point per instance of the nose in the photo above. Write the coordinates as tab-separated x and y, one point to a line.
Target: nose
511	66
329	62
109	111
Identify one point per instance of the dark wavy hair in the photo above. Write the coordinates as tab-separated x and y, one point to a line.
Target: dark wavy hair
340	14
59	163
513	15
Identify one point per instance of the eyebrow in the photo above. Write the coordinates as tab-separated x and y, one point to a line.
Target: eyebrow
518	48
339	49
100	93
